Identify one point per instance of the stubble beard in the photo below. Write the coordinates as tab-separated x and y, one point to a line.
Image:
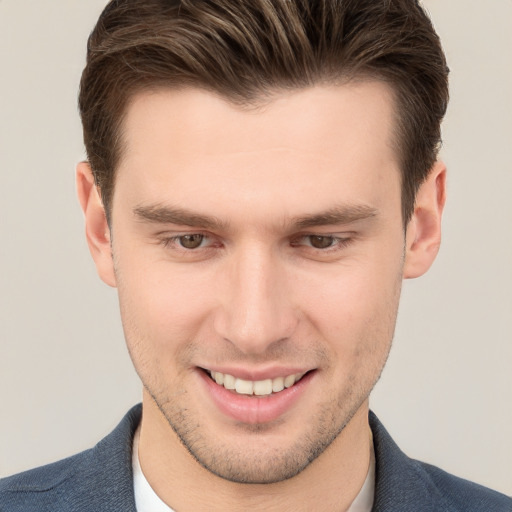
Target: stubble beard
257	463
253	464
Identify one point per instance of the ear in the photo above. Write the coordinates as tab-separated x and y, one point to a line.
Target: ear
423	236
97	231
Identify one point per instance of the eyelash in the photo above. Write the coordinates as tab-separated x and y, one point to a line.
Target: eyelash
168	242
338	244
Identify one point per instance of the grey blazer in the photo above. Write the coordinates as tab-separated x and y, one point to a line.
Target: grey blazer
100	480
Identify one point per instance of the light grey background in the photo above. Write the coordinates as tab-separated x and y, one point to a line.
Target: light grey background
65	377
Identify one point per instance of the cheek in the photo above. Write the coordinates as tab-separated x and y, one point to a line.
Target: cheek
161	307
355	307
357	327
159	325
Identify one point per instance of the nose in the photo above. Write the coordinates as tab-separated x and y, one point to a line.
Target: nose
256	308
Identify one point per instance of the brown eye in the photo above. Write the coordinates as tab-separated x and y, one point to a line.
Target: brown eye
321	242
191	241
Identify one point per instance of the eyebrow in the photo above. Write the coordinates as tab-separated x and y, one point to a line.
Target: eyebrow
338	215
179	216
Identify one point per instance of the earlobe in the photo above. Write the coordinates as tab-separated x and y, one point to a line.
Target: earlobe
97	230
423	236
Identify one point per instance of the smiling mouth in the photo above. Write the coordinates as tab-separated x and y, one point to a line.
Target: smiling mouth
265	387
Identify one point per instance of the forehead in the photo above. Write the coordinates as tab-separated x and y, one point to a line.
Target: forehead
287	116
185	145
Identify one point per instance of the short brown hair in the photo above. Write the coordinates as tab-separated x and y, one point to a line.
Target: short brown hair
248	49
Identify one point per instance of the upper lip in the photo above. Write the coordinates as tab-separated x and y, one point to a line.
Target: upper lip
257	374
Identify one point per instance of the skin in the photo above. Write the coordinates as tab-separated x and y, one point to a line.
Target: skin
257	295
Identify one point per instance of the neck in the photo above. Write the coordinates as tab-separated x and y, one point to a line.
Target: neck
333	479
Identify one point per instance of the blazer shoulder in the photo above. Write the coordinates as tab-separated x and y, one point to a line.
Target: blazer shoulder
404	484
463	495
96	479
30	490
46	477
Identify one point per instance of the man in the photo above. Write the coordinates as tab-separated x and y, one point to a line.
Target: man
261	176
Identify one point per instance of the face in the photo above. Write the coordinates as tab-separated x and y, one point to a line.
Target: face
260	250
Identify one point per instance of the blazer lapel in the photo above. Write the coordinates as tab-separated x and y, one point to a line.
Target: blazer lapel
401	484
107	478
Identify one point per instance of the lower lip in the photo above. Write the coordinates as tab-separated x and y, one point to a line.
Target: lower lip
251	409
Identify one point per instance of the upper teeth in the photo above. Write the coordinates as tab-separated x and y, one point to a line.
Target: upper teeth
255	387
